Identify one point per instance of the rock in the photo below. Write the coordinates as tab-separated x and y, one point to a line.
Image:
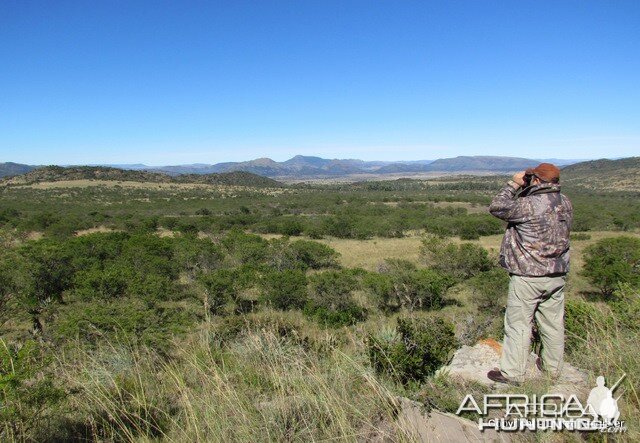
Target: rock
472	363
436	426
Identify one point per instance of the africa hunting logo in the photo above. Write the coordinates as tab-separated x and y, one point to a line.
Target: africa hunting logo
550	412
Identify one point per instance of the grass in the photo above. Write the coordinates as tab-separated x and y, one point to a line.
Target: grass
260	387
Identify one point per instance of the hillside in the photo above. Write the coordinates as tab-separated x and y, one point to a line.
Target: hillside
58	173
618	175
236	178
481	163
9	169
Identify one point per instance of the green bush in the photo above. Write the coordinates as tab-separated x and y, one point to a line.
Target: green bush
578	317
129	319
625	304
315	255
415	351
280	323
27	391
220	289
490	290
285	289
197	255
331	301
402	285
611	261
245	248
108	283
349	314
460	261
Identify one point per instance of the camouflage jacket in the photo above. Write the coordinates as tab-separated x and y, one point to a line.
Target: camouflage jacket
536	242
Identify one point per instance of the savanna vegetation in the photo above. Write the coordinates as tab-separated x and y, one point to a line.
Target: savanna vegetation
175	311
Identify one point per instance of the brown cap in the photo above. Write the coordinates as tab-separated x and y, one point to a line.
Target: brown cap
546	172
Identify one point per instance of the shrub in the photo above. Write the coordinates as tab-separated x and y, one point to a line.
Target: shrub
578	316
289	226
579	236
281	324
341	226
460	261
331	302
315	255
490	289
130	319
197	255
402	285
625	304
285	289
26	389
108	283
220	287
203	211
349	314
417	349
611	261
245	248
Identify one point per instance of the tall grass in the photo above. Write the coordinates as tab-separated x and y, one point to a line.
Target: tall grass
259	388
611	350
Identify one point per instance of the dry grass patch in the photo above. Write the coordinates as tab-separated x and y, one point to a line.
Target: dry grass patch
103	229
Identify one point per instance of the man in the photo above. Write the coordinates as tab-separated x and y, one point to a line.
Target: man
535	251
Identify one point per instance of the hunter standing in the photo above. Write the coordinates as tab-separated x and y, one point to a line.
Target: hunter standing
535	252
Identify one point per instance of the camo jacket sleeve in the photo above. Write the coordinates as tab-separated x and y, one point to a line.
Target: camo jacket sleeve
507	207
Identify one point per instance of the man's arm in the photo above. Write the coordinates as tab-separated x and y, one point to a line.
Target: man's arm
569	211
508	208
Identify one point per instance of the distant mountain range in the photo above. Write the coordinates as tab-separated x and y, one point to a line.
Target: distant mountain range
301	167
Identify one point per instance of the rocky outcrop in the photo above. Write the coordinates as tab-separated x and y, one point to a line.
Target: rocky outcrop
471	363
442	427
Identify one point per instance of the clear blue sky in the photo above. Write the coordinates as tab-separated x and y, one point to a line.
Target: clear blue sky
174	82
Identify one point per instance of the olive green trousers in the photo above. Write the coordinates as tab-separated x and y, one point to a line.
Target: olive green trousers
539	299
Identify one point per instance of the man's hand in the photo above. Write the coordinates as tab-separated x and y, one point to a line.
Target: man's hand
518	178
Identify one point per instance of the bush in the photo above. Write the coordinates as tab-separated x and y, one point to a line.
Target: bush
315	255
579	236
331	302
349	314
227	285
578	316
26	389
490	290
460	261
611	261
415	351
401	285
129	319
625	304
220	289
285	289
281	324
197	255
245	248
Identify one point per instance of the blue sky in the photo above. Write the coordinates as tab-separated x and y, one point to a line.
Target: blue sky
184	82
